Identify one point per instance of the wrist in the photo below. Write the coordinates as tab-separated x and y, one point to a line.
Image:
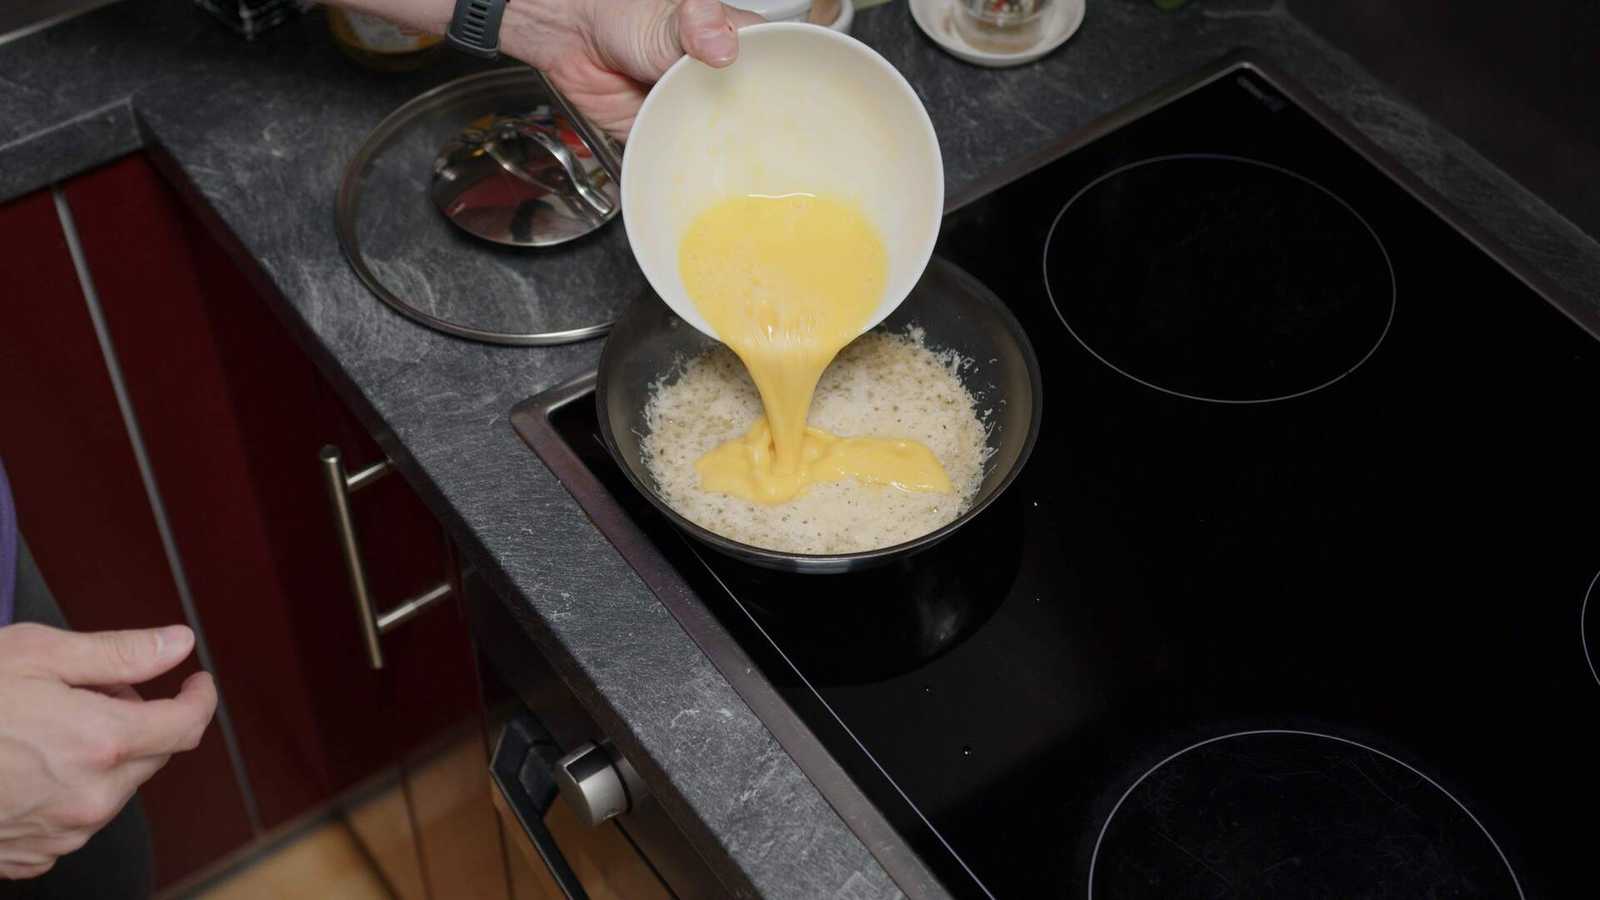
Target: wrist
435	14
530	29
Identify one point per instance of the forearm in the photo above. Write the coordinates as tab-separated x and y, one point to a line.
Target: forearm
428	15
521	26
602	54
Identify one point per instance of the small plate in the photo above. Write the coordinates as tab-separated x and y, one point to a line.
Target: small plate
847	15
934	17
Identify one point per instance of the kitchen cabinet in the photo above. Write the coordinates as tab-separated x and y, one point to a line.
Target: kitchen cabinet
83	508
234	416
163	433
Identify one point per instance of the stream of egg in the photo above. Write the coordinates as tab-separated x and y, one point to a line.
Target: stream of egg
786	281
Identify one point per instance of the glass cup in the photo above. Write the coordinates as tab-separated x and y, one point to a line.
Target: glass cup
1001	26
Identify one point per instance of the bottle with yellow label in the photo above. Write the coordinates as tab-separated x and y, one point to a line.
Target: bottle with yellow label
380	44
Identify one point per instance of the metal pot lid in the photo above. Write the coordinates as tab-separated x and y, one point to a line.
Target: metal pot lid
524	180
569	276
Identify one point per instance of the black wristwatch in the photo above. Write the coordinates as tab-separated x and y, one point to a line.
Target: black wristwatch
475	27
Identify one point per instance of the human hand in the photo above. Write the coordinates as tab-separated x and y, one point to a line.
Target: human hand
604	54
75	739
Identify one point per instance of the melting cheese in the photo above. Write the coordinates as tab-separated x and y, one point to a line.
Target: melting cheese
786	282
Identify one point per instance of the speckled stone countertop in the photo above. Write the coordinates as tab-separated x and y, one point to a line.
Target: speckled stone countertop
262	132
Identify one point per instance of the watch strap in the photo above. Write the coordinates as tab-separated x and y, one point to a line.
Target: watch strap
475	27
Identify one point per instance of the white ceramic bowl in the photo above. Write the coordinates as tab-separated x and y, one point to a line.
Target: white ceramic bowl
776	10
804	109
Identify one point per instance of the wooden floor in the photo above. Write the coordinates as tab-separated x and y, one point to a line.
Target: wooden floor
323	862
372	848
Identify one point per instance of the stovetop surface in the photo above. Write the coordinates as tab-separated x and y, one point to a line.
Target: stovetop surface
1290	598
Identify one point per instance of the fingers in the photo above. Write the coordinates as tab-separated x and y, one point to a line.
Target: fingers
91	804
707	30
46	847
159	728
102	658
18	871
67	826
118	692
128	779
742	18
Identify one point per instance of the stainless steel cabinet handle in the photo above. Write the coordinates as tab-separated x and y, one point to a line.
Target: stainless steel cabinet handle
373	624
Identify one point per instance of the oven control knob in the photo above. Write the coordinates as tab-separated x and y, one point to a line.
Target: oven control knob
597	783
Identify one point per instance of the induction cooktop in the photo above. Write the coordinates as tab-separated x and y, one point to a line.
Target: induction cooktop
1291	598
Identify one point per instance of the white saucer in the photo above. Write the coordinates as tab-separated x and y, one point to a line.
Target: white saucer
847	15
841	23
934	18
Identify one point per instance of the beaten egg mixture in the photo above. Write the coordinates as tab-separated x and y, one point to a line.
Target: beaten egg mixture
786	282
882	383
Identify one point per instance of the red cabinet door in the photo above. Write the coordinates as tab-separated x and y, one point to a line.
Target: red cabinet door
234	414
84	510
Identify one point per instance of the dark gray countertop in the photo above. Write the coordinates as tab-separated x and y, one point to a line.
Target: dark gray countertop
262	132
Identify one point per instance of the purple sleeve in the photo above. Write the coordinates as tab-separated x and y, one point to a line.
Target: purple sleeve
8	549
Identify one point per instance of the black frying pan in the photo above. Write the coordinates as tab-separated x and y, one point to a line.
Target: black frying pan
955	310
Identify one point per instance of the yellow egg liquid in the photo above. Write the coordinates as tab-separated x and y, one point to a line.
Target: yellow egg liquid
786	282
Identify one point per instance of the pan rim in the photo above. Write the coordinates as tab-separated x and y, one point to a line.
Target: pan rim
829	563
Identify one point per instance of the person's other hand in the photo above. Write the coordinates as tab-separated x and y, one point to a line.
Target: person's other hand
75	739
604	54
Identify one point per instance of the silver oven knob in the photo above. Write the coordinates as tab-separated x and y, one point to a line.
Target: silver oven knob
597	783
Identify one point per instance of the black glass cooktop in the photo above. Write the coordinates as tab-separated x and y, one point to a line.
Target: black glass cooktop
1290	600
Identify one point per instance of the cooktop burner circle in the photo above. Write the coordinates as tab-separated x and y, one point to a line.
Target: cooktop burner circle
1586	625
1219	278
1286	813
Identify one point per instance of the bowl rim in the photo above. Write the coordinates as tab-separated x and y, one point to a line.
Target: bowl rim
820	32
831	563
